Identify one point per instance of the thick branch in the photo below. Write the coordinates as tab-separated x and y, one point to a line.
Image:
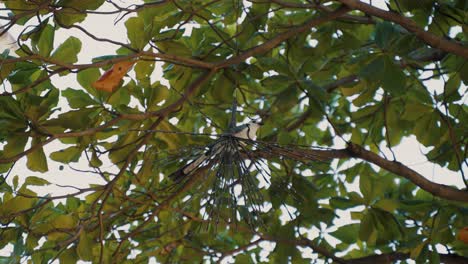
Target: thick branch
356	151
351	18
386	258
270	44
378	258
429	38
395	256
305	243
439	190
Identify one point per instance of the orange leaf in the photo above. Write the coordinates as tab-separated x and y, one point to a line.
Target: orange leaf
463	235
110	80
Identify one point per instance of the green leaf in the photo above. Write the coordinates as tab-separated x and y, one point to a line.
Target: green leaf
119	97
123	147
85	247
347	233
70	154
15	205
348	91
67	52
78	98
33	180
156	94
284	250
67	17
385	35
276	83
451	90
15	145
173	47
388	205
64	221
411	5
224	90
442	231
268	63
385	71
143	71
95	162
136	32
415	252
87	77
413	111
22	73
243	259
107	58
68	256
367	230
75	119
46	41
366	186
37	160
20	7
11	108
394	80
83	4
342	203
374	70
285	138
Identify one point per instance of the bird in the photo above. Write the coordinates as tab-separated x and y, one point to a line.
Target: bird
246	131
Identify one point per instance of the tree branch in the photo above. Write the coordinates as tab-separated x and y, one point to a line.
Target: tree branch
270	44
343	81
429	38
351	18
378	258
395	256
356	151
439	190
305	243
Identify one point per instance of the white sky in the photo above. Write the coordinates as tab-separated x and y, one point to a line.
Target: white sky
408	152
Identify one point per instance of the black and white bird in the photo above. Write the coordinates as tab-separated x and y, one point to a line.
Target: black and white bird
246	131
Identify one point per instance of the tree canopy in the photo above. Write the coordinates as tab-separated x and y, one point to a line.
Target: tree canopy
338	85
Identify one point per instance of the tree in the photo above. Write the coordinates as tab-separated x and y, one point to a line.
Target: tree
316	72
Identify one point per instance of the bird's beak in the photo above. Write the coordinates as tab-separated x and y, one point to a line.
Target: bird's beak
260	122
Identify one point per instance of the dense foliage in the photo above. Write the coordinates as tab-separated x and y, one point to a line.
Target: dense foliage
318	74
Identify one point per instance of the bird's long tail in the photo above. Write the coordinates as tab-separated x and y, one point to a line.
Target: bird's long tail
194	165
179	174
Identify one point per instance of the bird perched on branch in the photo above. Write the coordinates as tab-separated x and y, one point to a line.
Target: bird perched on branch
233	177
244	132
227	171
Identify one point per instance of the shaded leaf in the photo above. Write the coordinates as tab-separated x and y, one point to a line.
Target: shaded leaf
68	51
37	160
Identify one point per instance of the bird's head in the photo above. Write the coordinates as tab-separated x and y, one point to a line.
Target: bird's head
254	125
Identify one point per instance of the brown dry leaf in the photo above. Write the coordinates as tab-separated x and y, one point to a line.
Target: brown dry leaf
110	80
